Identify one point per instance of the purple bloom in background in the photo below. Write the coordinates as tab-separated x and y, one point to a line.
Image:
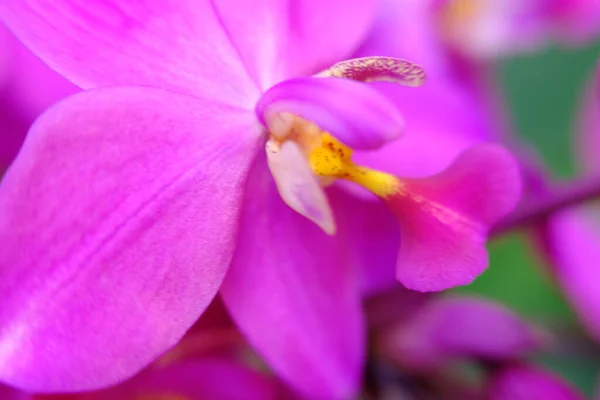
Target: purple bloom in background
525	382
130	202
570	237
450	328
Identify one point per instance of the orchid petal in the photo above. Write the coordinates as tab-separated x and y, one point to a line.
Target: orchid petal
444	219
12	133
205	378
461	327
571	241
297	184
283	39
176	45
292	293
524	382
406	29
368	121
34	86
372	239
119	222
9	393
207	47
431	143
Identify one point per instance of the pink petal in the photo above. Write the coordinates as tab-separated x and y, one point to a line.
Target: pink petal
372	239
281	39
444	219
524	382
12	133
571	240
205	378
429	146
177	45
33	85
5	50
461	327
291	291
119	218
9	393
368	121
195	47
440	123
406	29
297	184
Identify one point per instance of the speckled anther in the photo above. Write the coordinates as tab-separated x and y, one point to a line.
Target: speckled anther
374	69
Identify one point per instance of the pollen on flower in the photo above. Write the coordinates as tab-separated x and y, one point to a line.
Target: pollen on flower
334	159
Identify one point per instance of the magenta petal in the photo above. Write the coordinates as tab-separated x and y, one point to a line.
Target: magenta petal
571	239
292	293
118	224
280	39
204	378
524	382
444	219
367	122
177	45
462	327
441	122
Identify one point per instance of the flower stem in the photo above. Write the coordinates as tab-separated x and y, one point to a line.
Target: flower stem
537	210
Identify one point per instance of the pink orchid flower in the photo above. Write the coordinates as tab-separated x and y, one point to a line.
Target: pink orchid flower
201	149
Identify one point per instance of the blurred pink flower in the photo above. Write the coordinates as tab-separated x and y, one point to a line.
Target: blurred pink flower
133	199
525	382
571	238
445	329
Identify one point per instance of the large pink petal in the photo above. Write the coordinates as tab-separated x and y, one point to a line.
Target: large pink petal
118	224
179	45
280	39
444	219
227	49
291	291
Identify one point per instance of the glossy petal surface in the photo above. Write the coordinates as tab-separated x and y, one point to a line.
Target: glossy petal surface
292	292
207	47
119	222
444	219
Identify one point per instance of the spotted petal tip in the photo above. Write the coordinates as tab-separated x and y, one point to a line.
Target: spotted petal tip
378	69
444	219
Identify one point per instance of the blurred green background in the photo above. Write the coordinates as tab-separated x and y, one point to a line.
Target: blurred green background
542	92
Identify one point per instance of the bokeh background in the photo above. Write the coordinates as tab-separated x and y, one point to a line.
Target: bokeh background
543	92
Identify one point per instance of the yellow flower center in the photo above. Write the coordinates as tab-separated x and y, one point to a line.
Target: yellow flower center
331	158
